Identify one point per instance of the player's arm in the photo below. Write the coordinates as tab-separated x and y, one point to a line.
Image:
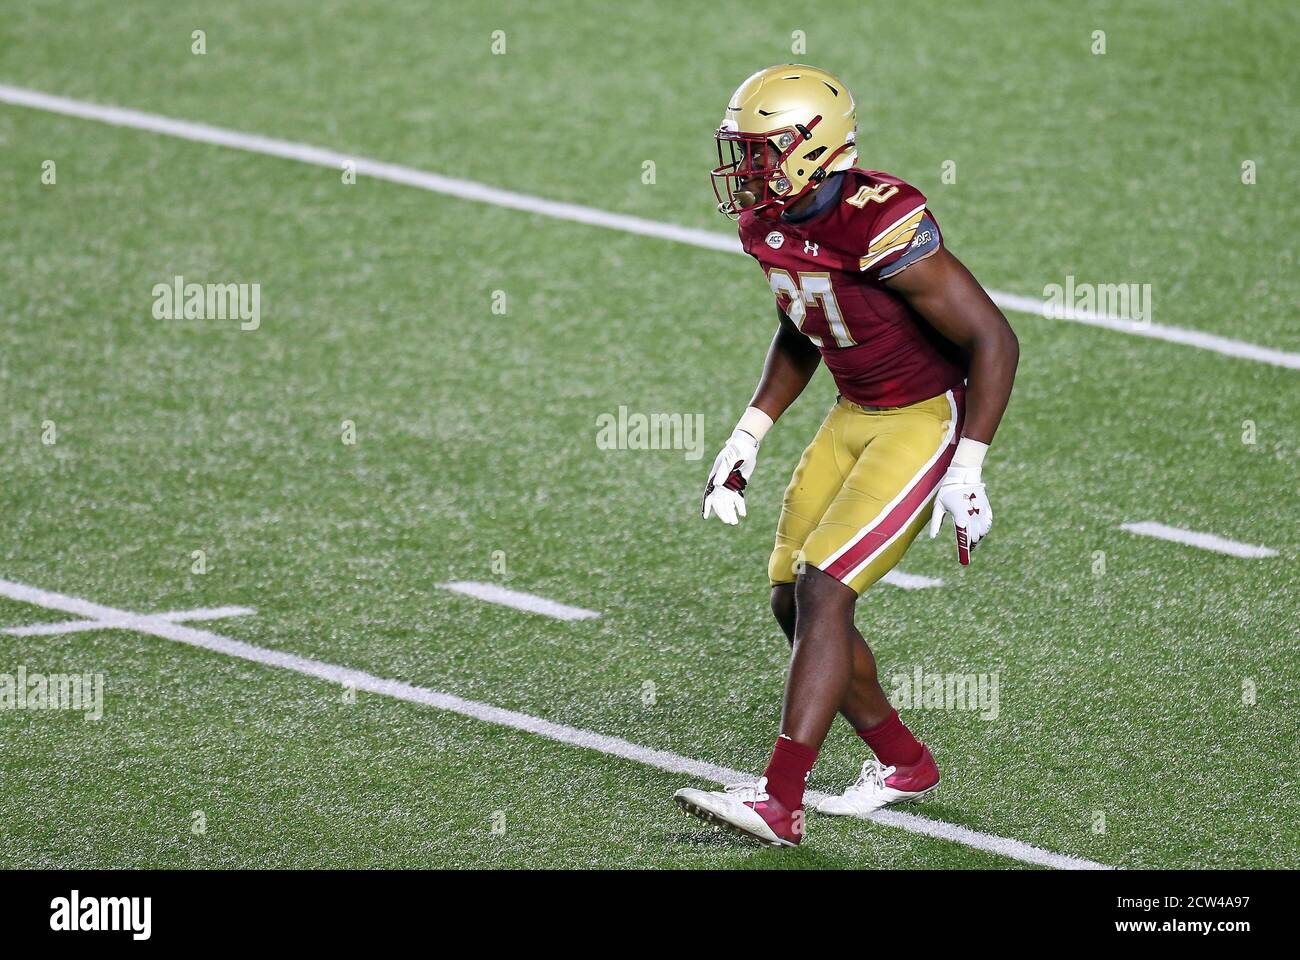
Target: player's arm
791	362
943	291
945	294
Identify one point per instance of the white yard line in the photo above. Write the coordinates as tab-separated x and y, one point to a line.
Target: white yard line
1155	331
492	593
1193	538
77	626
530	602
157	626
482	193
910	581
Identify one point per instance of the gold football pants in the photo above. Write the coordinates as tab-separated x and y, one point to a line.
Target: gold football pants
862	490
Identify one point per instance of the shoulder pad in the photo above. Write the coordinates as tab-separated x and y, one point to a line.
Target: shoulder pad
891	212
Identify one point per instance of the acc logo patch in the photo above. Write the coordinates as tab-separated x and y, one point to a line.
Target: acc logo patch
775	239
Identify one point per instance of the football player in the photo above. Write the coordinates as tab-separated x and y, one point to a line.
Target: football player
923	361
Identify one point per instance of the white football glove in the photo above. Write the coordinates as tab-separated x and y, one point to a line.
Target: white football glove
724	494
961	493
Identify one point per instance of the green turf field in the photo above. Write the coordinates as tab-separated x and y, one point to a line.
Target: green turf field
1148	690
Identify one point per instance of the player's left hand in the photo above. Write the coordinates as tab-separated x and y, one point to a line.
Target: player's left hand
961	493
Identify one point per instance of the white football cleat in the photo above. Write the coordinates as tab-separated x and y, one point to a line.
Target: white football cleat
746	809
880	786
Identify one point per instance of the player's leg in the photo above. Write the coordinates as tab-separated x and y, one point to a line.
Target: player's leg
814	485
823	659
783	608
831	669
772	809
899	457
816	481
749	808
865	704
821	664
863	534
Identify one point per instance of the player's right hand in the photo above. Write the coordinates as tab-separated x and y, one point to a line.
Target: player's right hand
724	494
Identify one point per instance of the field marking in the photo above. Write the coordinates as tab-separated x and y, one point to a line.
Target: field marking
482	193
532	603
492	593
77	626
910	581
157	626
1194	538
1155	331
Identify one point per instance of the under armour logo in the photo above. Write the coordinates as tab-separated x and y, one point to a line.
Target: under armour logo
973	509
810	247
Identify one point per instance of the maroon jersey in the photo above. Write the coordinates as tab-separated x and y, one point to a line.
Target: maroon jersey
827	273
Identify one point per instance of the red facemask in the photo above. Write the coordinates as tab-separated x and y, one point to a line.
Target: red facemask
760	157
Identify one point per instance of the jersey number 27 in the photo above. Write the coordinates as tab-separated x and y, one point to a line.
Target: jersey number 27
808	290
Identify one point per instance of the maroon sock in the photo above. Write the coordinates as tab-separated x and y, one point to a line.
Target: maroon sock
787	772
892	743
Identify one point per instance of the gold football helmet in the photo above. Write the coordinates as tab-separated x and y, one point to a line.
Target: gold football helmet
808	119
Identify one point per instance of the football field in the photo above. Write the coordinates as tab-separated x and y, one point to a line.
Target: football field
385	572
